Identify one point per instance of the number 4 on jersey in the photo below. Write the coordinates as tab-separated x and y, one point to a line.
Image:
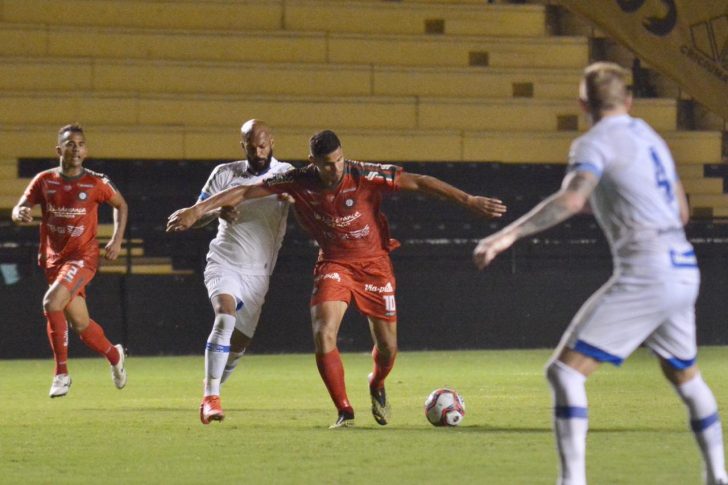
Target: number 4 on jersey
661	178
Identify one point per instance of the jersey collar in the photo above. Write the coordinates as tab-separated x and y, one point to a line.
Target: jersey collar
71	179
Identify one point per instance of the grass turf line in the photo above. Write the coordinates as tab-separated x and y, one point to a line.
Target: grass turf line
278	412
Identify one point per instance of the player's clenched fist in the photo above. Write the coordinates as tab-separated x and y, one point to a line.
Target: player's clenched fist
488	207
22	214
182	219
490	247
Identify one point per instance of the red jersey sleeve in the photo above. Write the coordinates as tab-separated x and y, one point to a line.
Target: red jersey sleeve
105	189
34	192
385	177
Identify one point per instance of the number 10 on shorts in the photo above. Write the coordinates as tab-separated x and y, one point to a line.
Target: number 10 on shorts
389	304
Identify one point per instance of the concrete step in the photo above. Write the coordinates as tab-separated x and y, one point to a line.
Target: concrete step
302	15
703	186
714	200
196	143
690	171
13	187
38	40
209	77
366	112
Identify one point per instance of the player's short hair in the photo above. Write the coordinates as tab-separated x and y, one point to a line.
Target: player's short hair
604	86
323	143
73	128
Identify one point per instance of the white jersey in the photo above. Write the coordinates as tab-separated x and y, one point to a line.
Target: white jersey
250	245
635	201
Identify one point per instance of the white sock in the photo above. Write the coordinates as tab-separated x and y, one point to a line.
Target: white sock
216	352
705	423
232	362
570	421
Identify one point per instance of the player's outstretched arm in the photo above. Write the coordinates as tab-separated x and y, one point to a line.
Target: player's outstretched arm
121	214
21	212
183	219
572	197
436	187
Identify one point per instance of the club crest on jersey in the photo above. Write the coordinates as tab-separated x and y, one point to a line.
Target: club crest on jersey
349	203
82	196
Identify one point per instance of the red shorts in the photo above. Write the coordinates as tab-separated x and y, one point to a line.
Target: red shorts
371	283
74	275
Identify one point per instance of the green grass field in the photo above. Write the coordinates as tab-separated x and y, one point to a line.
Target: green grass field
278	412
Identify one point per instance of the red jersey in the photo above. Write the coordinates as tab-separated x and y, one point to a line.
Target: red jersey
345	219
70	215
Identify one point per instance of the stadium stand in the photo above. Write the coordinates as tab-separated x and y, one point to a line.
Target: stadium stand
480	95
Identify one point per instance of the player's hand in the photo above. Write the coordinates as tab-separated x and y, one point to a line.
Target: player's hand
22	214
182	220
286	197
113	249
228	214
490	247
488	207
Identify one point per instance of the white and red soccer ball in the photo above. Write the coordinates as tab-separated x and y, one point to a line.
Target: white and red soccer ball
444	407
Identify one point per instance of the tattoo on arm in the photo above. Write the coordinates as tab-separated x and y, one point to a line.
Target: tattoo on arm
560	206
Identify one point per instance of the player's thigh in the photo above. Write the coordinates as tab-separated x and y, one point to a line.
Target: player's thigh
374	291
77	314
332	282
222	283
72	277
674	340
615	321
254	289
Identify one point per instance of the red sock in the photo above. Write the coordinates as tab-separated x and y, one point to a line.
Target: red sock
332	372
382	366
95	339
57	329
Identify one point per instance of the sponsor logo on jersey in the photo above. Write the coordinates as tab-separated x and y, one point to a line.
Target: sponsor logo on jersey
82	196
345	221
66	212
73	231
379	289
360	234
328	276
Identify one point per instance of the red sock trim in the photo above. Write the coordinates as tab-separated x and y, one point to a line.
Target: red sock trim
331	369
382	367
95	339
57	330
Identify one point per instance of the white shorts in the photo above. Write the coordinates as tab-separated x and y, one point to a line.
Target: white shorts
623	315
248	290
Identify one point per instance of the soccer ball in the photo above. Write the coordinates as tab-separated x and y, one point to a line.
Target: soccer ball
444	407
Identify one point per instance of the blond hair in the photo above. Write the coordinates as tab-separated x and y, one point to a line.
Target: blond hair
604	87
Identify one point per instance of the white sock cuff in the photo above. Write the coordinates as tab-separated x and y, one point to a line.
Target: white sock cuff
557	366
